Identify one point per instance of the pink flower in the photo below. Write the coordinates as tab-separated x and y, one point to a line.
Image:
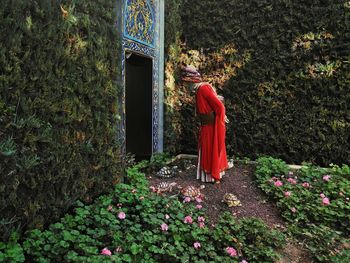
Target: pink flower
287	194
106	252
167	216
187	199
196	245
327	177
199	206
121	215
325	201
278	183
306	185
293	209
133	191
292	181
231	251
188	220
164	227
201	219
109	208
322	195
199	200
244	261
201	224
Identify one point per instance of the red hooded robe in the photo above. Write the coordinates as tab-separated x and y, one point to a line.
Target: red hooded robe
211	141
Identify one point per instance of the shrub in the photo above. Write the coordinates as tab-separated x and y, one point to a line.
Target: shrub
136	225
288	89
315	201
58	99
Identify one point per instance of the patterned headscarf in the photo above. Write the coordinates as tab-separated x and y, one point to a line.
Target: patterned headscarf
191	74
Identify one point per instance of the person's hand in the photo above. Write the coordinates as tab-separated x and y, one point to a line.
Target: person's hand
226	119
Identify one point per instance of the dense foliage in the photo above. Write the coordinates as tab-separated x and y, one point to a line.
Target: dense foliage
288	94
172	117
316	203
58	107
172	22
134	224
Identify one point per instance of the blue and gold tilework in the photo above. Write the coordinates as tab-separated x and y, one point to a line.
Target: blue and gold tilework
139	21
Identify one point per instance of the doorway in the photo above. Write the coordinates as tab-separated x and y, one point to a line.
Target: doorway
138	105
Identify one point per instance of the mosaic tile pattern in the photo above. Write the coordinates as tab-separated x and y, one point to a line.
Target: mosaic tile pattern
139	21
138	48
140	36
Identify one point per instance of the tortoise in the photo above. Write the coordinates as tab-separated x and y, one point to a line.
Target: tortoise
164	187
231	200
167	172
192	192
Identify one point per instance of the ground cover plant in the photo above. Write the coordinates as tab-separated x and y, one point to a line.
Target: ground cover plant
134	224
316	203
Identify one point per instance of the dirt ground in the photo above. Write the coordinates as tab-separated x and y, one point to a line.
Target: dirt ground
239	181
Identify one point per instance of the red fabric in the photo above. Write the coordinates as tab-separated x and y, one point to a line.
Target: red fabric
211	139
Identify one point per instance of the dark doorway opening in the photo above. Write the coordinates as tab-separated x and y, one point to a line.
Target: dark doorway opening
138	105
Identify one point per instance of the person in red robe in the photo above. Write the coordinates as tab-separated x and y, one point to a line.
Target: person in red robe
212	159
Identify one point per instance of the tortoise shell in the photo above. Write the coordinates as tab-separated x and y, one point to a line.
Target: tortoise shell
191	191
167	172
163	187
231	200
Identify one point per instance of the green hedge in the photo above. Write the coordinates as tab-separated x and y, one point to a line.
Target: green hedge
172	102
172	22
291	97
58	107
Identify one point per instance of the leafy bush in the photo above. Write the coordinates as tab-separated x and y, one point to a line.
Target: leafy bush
136	225
288	89
172	22
315	200
58	99
158	160
326	244
11	251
